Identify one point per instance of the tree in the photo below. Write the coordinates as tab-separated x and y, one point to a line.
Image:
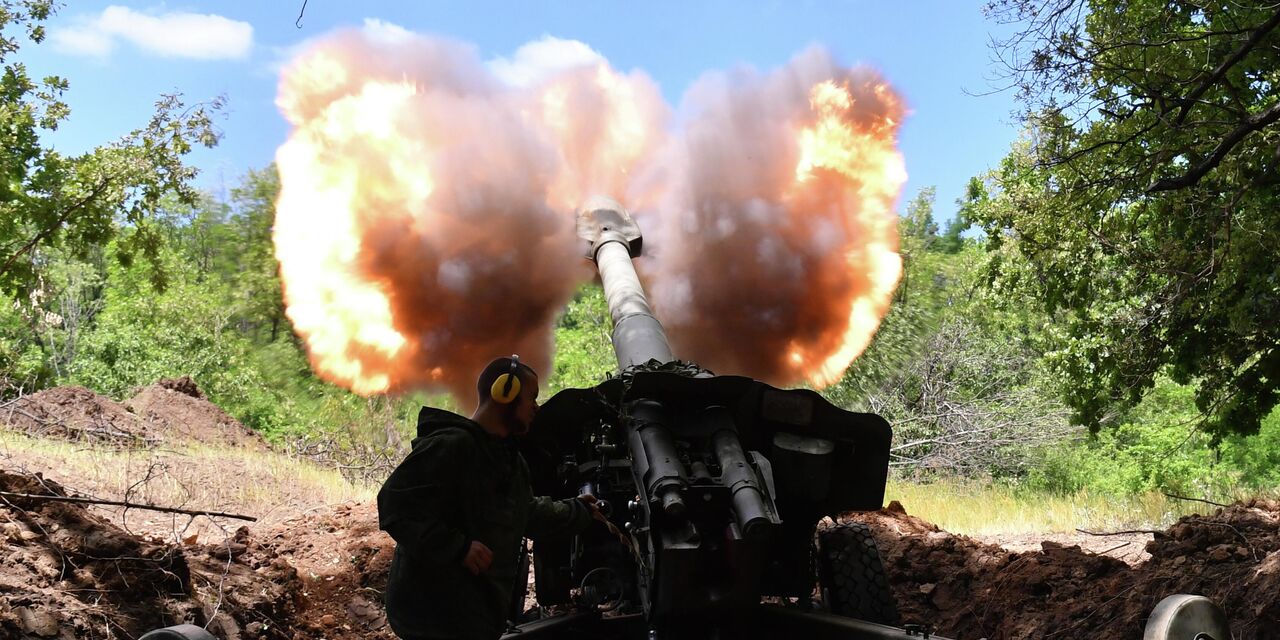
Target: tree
141	334
918	223
968	404
1141	210
258	278
952	240
584	347
50	200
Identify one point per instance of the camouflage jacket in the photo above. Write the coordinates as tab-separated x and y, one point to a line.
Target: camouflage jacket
461	484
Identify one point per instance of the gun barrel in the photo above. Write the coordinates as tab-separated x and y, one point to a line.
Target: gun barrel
615	239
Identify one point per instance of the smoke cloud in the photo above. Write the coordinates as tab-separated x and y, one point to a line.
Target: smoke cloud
425	221
776	253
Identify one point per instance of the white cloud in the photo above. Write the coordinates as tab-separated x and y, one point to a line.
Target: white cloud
539	59
178	35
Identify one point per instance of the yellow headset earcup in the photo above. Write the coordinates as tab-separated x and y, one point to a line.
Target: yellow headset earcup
500	384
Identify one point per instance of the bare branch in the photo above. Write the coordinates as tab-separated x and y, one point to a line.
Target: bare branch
1119	533
131	505
1178	497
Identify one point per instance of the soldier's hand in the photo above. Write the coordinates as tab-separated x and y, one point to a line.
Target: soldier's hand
590	502
478	558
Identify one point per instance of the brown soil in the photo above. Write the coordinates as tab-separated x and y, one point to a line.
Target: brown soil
342	560
176	408
311	571
74	413
1129	547
169	411
66	573
968	589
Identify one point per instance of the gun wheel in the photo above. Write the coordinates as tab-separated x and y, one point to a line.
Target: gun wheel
179	632
1187	617
851	575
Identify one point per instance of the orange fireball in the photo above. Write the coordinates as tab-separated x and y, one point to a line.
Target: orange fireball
777	248
867	156
424	223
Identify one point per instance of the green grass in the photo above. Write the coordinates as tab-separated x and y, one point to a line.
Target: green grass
981	508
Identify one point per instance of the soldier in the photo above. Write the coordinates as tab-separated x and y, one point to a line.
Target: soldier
459	507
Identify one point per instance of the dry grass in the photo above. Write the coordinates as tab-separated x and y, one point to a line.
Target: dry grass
274	487
976	508
267	485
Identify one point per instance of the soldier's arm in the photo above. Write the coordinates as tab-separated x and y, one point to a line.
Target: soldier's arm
416	502
551	518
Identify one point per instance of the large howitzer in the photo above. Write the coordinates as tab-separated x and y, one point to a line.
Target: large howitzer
719	482
724	481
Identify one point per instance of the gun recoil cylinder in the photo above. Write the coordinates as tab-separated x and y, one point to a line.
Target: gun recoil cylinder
736	473
664	476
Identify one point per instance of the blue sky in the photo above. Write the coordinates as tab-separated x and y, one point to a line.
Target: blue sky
119	56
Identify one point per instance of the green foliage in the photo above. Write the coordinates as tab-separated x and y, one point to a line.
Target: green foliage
936	287
955	373
1256	457
918	222
22	360
1141	212
952	240
584	347
257	279
48	200
142	335
1156	447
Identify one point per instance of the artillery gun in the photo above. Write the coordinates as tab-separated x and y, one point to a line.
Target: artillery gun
713	489
713	486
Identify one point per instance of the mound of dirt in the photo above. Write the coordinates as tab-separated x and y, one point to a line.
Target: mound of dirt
967	589
66	574
75	413
342	560
175	408
171	410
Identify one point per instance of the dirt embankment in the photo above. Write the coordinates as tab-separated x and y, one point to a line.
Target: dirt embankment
68	573
321	575
169	411
968	589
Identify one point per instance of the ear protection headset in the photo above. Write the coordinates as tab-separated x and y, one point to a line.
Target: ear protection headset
506	388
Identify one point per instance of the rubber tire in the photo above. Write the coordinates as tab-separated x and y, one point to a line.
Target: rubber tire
851	575
179	632
1183	616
